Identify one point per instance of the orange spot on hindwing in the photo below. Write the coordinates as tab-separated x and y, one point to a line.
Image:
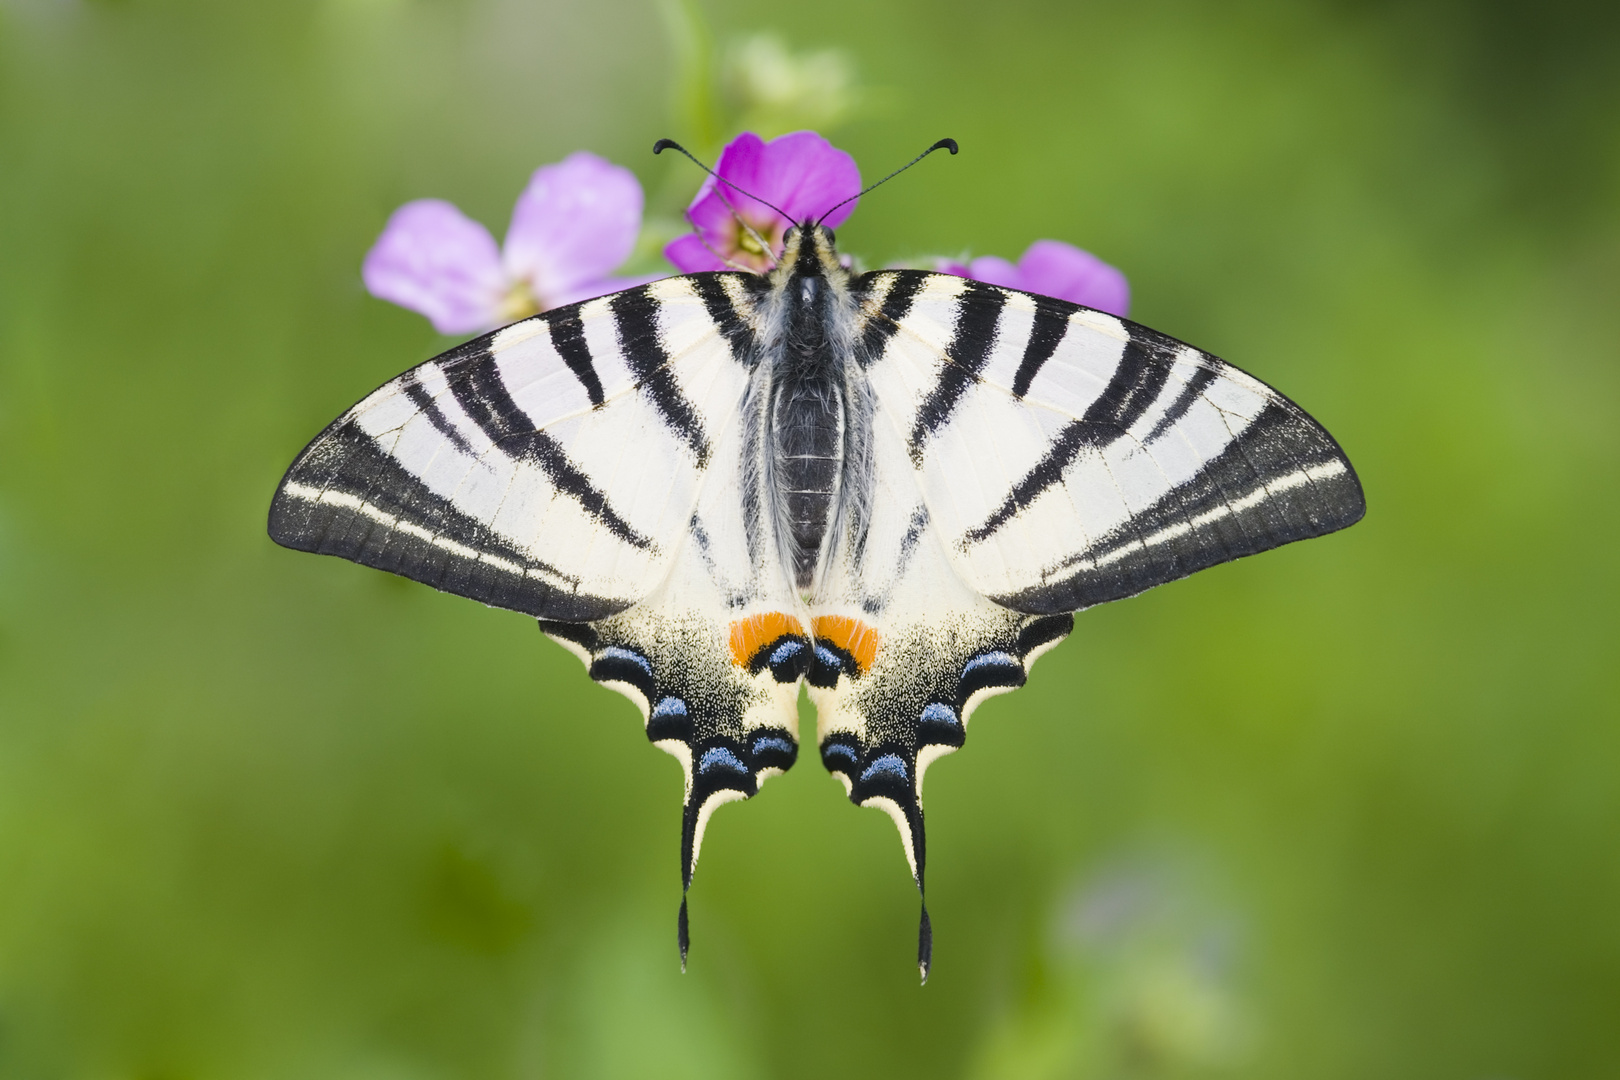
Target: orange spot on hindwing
851	636
777	640
750	635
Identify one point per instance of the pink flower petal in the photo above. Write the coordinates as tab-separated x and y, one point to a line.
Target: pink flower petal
575	223
818	176
435	260
716	207
739	164
590	290
802	174
690	256
996	271
1053	268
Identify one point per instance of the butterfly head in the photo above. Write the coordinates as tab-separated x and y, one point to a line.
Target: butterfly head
809	250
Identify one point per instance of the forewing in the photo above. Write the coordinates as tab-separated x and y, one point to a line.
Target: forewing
550	467
1069	457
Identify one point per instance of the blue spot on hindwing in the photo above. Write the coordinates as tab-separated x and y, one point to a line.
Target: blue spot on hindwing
826	668
615	663
788	660
721	758
838	751
990	669
669	720
991	659
939	726
614	652
772	742
887	765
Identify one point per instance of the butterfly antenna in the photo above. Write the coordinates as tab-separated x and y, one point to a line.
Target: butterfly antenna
943	144
670	144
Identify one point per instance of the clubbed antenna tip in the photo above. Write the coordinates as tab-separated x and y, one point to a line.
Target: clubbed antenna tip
670	144
943	144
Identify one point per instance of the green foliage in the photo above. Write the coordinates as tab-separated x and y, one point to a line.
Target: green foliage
1343	810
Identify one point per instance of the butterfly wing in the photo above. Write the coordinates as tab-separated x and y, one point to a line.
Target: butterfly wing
589	466
904	652
1070	457
1029	458
548	467
713	657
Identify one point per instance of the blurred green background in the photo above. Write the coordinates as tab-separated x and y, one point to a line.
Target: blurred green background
1348	809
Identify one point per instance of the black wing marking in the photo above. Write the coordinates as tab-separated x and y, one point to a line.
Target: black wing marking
1088	462
498	470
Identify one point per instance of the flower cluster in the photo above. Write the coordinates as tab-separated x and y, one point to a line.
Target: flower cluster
578	220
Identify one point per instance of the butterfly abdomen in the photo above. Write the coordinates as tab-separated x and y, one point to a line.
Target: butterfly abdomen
807	442
809	414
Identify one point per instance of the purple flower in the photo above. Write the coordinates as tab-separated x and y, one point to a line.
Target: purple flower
802	173
1053	268
575	223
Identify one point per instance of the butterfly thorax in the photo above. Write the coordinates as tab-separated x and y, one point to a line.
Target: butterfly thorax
811	432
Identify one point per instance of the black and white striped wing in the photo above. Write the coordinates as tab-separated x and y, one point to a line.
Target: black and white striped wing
550	467
1069	457
1030	458
713	656
905	649
589	466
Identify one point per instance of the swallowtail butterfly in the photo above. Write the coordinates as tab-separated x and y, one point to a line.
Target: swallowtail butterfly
895	488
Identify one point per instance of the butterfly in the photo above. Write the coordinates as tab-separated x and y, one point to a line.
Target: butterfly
893	488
